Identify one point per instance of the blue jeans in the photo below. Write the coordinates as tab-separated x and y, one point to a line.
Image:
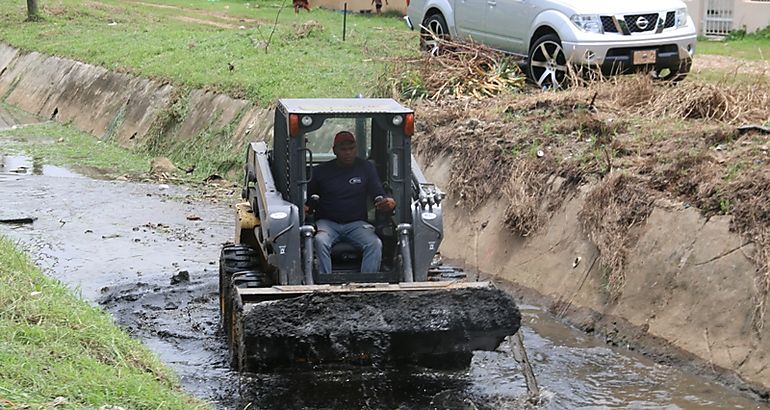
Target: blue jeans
358	233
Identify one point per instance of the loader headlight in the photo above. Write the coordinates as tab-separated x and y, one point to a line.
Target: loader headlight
398	120
590	23
681	18
307	120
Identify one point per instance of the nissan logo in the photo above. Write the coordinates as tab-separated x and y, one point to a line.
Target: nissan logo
642	23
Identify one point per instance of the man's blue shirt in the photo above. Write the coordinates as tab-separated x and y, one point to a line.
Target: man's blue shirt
343	190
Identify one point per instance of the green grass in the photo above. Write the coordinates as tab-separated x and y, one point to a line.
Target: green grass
157	42
53	345
747	49
739	44
63	145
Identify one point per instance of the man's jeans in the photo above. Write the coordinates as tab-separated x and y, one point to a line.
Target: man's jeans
358	233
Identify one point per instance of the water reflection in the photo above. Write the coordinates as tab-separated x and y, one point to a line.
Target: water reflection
573	370
19	165
356	388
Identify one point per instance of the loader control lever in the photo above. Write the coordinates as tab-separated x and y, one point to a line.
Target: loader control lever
406	251
307	232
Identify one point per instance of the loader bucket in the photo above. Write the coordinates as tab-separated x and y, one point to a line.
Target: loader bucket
429	324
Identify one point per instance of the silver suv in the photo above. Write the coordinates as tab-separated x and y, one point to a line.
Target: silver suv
619	36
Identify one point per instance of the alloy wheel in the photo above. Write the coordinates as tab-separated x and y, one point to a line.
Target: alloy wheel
435	31
548	65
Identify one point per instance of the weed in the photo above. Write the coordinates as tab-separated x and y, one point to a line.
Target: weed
70	147
612	211
725	206
733	171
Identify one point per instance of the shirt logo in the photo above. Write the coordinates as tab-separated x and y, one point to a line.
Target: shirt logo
354	180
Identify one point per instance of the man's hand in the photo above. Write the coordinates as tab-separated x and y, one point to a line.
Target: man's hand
308	209
385	204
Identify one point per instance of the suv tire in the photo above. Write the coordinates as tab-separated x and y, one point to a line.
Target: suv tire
547	65
435	23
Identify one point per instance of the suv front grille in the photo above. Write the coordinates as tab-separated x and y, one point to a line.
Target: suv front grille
670	19
608	24
631	23
639	23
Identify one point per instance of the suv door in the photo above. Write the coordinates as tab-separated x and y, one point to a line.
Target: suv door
470	19
509	22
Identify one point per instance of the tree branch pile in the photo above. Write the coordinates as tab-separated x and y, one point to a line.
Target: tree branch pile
459	68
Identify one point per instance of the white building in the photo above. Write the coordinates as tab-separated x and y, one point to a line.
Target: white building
719	17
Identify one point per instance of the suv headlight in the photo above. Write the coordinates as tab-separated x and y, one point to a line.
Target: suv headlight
681	18
590	23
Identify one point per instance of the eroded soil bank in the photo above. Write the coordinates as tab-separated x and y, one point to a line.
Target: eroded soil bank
652	240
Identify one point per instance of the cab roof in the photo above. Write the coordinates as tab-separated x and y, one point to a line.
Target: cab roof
342	106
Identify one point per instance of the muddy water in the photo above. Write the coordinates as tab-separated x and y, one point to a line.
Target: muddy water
132	247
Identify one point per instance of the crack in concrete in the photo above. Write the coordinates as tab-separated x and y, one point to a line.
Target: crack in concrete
722	255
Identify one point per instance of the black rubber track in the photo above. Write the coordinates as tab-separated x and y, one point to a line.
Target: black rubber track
233	259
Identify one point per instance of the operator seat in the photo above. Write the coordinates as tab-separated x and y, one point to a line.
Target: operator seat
346	257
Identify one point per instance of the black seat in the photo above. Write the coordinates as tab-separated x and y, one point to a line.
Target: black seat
346	257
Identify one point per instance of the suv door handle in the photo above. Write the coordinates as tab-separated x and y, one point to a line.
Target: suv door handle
492	3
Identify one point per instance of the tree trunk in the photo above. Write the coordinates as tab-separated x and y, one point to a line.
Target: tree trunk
32	10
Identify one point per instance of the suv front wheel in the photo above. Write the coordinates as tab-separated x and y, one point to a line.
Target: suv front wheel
434	27
547	64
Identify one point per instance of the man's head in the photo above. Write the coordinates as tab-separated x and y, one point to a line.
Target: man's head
345	148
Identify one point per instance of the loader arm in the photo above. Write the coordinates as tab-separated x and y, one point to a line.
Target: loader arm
278	233
427	222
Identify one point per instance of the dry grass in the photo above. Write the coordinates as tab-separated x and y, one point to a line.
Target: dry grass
750	207
461	69
613	210
633	138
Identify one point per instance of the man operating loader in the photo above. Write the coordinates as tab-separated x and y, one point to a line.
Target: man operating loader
338	193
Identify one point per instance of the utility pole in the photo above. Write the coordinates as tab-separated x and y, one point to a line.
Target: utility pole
32	10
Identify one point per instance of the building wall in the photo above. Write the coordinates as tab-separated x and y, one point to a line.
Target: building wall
753	14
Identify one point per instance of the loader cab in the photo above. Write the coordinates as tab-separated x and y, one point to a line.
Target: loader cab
303	138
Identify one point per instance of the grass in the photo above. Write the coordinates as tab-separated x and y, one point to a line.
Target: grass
58	352
63	145
746	49
200	44
739	44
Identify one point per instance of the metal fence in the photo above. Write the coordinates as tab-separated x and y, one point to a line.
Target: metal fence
718	18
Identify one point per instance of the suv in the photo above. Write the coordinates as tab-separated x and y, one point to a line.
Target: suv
552	36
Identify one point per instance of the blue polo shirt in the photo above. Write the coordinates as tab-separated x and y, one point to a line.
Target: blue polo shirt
343	190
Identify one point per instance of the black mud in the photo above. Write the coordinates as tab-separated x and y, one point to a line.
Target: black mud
436	328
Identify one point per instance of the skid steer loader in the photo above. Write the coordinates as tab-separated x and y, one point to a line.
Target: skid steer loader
278	310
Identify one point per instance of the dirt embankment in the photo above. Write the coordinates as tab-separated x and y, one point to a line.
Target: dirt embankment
129	110
638	210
